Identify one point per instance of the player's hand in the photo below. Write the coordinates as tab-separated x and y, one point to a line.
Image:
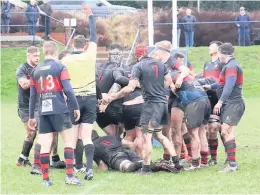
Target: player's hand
103	107
217	108
87	10
32	123
106	98
178	82
173	88
76	115
206	87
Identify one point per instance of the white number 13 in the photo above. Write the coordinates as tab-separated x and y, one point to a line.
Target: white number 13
49	84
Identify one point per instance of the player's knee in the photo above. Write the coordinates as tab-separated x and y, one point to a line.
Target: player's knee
31	135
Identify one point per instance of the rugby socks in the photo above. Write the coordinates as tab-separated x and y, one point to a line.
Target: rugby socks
45	161
213	146
68	155
37	150
230	147
27	146
196	162
204	157
89	152
187	142
166	156
183	151
78	153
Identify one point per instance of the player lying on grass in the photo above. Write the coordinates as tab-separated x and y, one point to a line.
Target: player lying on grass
110	154
49	81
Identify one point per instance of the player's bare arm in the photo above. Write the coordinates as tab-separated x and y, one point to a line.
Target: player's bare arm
184	72
32	103
126	90
24	82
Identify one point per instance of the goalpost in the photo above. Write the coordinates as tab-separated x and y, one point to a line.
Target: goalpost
151	24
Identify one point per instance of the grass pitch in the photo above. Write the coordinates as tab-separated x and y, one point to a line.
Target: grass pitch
17	180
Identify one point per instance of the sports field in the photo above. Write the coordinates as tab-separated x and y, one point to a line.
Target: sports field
17	180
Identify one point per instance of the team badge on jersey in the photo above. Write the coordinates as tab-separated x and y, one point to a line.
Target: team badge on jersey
47	105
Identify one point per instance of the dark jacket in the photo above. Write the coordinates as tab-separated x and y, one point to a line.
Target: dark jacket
5	10
179	20
46	8
242	21
32	13
190	20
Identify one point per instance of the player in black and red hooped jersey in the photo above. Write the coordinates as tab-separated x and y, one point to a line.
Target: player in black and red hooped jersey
153	77
230	105
211	73
49	82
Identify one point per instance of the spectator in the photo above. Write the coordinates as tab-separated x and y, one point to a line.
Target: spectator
178	28
189	28
32	13
47	11
243	28
5	16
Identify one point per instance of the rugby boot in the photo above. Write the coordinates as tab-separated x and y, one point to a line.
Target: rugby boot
231	166
36	170
73	181
47	183
89	175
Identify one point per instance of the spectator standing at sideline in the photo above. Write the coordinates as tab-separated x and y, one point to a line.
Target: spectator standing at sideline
243	28
5	16
189	28
46	8
32	14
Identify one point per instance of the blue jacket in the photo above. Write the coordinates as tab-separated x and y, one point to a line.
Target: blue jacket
242	21
5	10
189	19
32	13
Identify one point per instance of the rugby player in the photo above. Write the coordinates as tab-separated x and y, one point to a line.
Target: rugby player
23	74
230	105
153	77
49	81
194	100
211	73
110	79
81	67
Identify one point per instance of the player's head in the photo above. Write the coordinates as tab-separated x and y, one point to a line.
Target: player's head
63	53
50	49
32	2
115	54
179	56
95	135
33	55
226	51
188	12
213	48
5	1
162	51
242	10
79	42
140	51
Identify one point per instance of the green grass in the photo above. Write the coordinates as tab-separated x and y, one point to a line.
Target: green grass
17	180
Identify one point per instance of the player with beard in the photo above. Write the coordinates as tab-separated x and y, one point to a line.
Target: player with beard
110	78
230	105
211	73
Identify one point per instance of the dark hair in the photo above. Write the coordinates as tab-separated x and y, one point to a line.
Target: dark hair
116	46
226	49
79	42
63	53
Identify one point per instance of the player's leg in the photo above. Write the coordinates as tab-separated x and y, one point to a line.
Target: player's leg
195	147
105	124
128	140
204	148
88	117
28	141
166	131
62	124
230	117
56	162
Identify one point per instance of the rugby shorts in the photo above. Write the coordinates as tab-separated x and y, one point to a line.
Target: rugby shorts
232	112
88	110
24	115
197	113
54	123
174	103
155	114
121	156
131	116
213	98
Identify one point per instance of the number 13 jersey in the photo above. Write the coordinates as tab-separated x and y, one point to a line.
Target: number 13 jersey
46	78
